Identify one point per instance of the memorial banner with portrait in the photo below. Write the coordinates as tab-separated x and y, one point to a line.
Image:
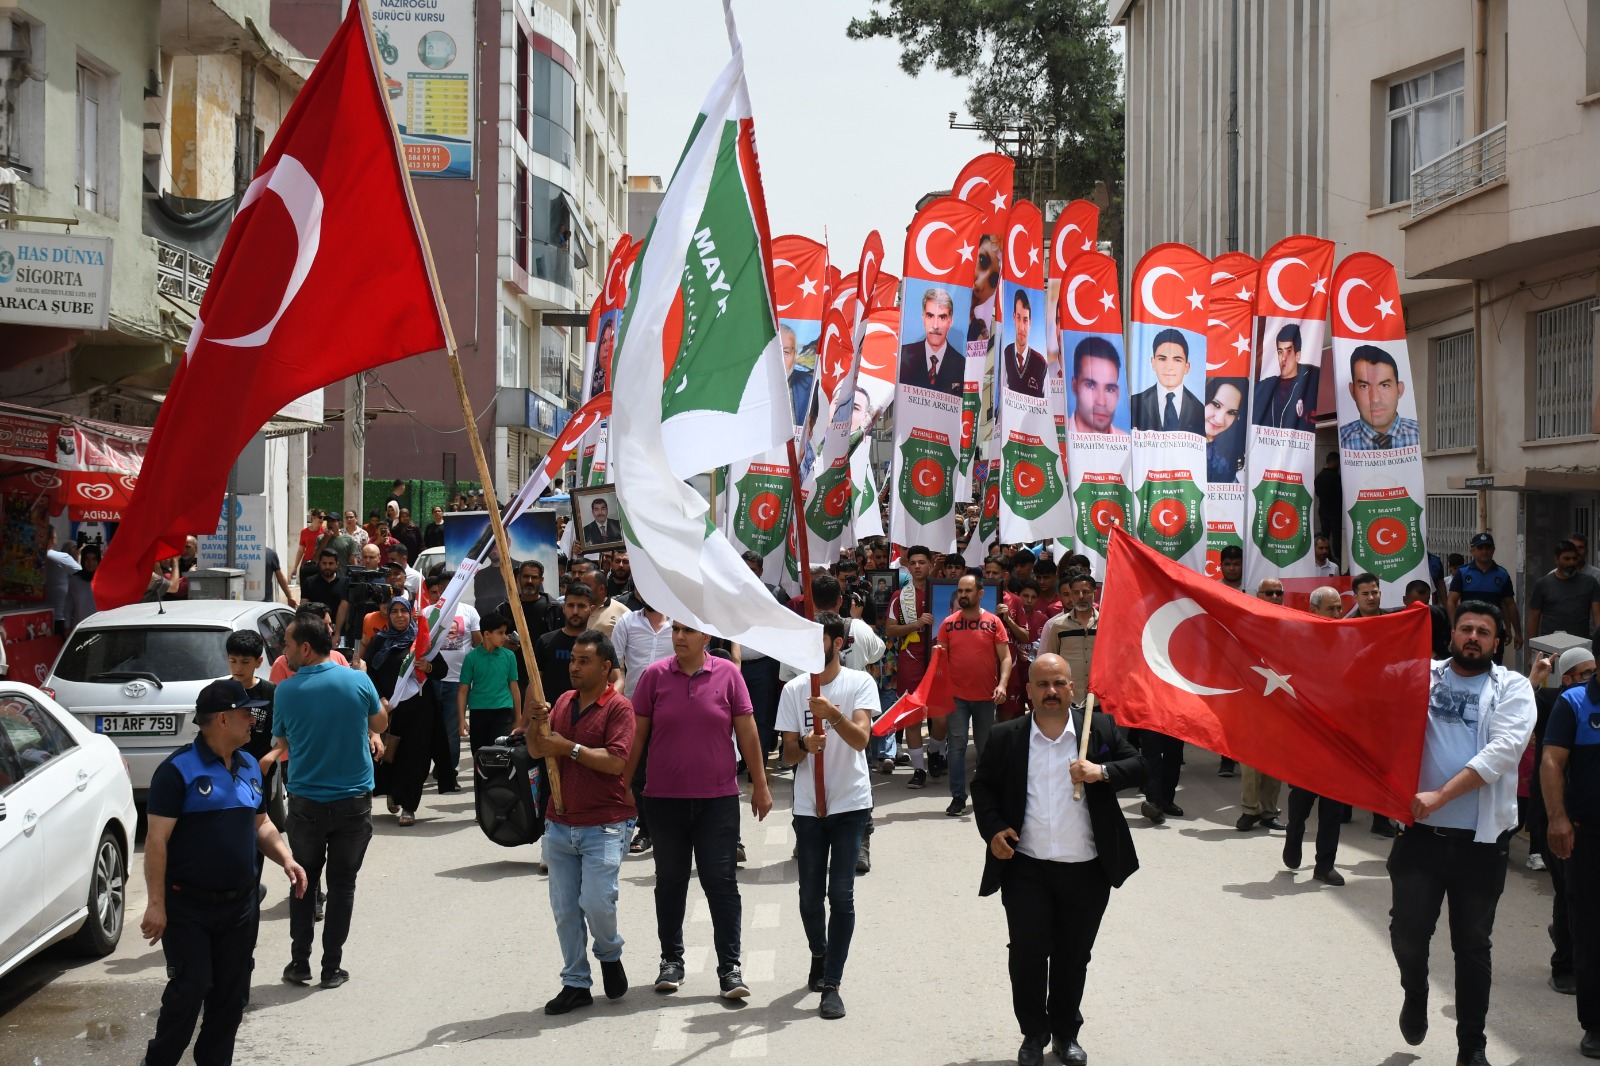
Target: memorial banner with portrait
875	382
1034	504
1166	357
932	373
1076	231
800	294
1230	324
1099	446
986	182
599	351
1290	324
760	499
1380	446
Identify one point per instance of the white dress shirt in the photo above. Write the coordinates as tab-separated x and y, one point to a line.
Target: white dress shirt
638	644
1055	827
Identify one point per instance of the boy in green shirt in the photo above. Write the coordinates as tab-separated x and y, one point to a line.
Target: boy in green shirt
489	687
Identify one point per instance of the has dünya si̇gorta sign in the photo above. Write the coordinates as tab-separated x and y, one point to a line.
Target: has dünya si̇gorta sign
49	279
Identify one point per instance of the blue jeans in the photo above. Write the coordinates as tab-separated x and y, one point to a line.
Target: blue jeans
827	849
583	862
980	715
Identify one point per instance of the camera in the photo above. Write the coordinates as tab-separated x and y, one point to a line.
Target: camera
367	590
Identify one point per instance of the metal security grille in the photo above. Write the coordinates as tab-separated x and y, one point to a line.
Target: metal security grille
1455	423
1563	364
1452	520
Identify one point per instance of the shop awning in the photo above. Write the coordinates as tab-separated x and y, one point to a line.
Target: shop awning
86	467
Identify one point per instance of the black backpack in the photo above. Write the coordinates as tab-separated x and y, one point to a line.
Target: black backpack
509	793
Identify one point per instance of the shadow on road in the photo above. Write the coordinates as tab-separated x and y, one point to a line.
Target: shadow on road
492	871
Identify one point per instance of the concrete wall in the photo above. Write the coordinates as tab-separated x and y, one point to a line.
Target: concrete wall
121	37
206	93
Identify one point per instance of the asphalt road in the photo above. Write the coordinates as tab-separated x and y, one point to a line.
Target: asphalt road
1211	953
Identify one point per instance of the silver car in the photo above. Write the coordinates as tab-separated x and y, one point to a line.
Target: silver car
133	673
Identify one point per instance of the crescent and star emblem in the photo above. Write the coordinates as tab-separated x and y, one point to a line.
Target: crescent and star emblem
1011	243
1061	245
1147	290
1072	303
1156	643
1276	293
776	263
922	248
1344	305
973	182
303	200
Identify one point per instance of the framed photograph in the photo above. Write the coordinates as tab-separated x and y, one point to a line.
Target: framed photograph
885	584
596	517
944	598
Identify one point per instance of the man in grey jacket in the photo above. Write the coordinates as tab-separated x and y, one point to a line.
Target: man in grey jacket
1480	717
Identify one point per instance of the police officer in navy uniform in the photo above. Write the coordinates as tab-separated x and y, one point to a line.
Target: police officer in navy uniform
1484	579
208	820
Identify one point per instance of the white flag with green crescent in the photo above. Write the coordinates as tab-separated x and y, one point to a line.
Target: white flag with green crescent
724	397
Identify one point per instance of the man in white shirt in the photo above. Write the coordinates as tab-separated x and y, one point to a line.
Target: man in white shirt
640	638
463	635
399	554
1326	567
826	846
58	567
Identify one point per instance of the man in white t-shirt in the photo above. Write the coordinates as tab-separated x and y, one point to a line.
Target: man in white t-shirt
462	636
827	846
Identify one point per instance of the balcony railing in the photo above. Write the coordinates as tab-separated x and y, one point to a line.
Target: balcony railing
181	274
1479	162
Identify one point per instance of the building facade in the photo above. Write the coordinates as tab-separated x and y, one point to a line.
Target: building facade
1453	140
136	125
520	239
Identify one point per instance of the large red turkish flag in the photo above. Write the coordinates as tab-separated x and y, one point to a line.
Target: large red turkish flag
1335	706
322	275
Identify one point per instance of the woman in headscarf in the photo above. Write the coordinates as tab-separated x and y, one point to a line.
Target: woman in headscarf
80	587
413	721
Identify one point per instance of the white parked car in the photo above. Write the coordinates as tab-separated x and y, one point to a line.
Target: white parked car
133	673
66	829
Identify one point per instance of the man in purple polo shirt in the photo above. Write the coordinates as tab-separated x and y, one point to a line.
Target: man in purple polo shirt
690	708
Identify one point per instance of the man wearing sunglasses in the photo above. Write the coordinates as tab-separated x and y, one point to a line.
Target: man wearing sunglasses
1569	772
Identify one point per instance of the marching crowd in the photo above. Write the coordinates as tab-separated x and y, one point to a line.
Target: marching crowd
652	724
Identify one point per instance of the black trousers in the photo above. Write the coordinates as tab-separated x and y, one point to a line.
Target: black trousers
332	835
488	726
707	831
1053	912
1425	869
1163	755
1583	882
1330	817
416	722
761	678
1560	927
210	950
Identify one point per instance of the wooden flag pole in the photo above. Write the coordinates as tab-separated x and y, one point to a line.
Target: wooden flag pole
803	549
503	543
470	421
1083	741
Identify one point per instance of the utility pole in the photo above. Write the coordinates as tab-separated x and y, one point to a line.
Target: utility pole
355	444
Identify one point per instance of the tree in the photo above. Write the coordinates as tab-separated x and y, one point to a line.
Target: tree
1043	84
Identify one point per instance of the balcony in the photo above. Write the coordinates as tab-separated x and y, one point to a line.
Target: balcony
181	274
1477	164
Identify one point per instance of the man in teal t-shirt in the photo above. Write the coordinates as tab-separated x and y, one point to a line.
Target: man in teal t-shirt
489	689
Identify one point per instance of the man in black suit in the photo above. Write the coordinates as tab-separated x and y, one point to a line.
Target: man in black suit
931	363
604	529
1167	405
1288	401
1024	366
1055	864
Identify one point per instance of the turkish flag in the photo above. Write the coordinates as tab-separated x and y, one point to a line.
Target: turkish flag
1077	230
1024	262
986	182
1088	302
940	243
799	276
933	698
323	274
1338	707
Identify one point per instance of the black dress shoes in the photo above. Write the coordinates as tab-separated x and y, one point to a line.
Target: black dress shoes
614	979
1414	1020
1031	1053
1070	1052
1246	822
1275	823
567	999
1589	1046
1291	852
1328	876
1152	812
1172	809
1472	1058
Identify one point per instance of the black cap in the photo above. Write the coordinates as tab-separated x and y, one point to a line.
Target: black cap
1482	540
224	695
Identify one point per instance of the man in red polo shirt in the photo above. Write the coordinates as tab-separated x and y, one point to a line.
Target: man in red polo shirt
980	671
592	734
688	709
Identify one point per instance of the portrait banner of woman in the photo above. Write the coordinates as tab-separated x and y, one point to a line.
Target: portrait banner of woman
1229	336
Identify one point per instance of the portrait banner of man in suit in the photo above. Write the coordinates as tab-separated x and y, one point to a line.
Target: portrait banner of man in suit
930	361
597	516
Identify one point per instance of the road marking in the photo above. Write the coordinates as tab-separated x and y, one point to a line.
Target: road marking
771	873
764	916
776	835
700	912
694	959
760	965
750	1043
672	1029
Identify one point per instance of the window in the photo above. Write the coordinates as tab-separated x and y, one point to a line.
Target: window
1563	369
523	86
167	653
1452	520
24	99
1455	421
519	220
1424	122
34	738
511	361
91	92
554	108
274	626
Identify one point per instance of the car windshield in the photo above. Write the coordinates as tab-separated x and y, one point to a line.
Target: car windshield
168	653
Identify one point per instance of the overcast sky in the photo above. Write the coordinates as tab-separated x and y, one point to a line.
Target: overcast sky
847	140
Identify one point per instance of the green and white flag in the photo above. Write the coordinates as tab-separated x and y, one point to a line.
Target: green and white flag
724	397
